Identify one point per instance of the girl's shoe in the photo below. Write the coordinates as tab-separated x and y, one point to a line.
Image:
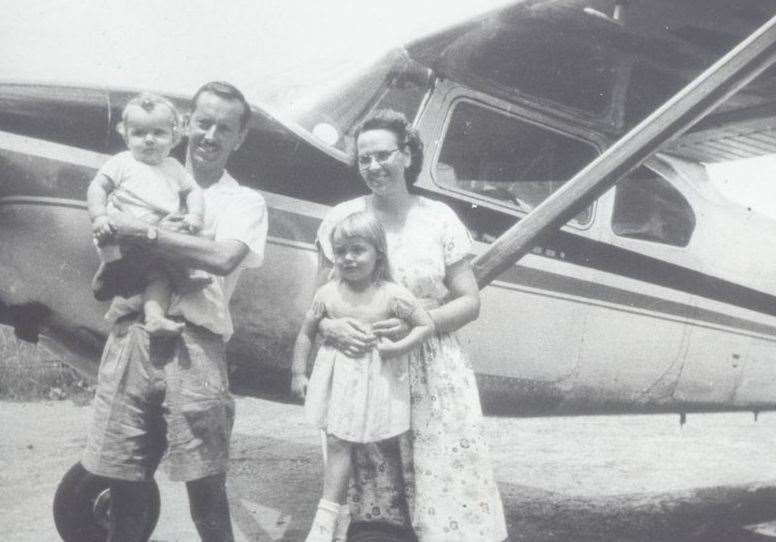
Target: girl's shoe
343	522
324	523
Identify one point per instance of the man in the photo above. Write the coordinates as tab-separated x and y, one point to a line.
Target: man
157	396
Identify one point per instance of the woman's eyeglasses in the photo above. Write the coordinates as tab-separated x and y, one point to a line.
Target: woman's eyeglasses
365	160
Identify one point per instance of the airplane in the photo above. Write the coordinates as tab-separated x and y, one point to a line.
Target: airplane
656	297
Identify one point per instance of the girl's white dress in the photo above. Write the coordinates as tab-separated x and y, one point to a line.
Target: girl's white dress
362	399
447	481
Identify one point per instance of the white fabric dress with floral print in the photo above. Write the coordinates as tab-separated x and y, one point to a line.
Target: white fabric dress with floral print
454	495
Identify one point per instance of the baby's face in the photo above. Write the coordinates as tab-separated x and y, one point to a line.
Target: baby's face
149	134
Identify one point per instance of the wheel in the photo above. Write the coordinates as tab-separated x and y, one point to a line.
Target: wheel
82	507
378	532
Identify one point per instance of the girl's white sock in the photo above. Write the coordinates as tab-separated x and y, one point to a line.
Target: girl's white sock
343	522
324	523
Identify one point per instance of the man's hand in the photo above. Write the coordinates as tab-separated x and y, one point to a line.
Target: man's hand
127	228
101	228
348	335
299	385
391	328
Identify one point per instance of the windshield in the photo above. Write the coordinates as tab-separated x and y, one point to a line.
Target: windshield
395	81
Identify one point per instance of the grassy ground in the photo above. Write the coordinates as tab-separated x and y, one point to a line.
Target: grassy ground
28	372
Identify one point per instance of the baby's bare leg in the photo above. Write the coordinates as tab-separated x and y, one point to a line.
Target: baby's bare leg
156	301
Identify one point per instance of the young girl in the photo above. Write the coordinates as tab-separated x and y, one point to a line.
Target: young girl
364	399
147	183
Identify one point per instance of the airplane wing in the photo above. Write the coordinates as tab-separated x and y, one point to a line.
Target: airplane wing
654	47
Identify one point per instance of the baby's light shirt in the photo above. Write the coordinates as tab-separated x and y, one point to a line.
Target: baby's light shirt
145	191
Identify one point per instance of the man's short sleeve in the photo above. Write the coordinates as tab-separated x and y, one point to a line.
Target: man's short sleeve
244	219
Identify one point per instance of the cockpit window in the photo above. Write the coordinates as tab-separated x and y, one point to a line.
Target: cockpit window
395	81
647	207
506	159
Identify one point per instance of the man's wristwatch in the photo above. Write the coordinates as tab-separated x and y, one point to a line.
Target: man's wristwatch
152	234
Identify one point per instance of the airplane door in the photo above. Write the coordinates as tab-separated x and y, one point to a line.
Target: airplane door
636	334
495	166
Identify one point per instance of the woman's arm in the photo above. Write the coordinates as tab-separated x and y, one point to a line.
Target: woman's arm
464	305
217	257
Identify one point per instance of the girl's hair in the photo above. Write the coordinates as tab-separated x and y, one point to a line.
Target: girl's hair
366	226
406	137
149	102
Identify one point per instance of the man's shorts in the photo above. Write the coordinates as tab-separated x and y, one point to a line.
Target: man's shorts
160	397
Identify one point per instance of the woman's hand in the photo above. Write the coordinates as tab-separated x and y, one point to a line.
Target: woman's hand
347	335
391	328
299	385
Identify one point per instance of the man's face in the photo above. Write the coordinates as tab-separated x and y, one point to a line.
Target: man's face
214	131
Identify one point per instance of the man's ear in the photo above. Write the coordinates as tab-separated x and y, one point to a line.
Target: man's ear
241	140
122	129
185	125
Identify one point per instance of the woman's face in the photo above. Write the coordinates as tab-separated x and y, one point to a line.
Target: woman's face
382	162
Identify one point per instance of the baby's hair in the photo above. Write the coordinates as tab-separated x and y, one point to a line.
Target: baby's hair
149	102
366	226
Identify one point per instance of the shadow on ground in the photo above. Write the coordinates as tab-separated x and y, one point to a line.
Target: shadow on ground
274	486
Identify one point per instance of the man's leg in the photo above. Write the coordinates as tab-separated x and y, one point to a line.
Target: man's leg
129	510
210	508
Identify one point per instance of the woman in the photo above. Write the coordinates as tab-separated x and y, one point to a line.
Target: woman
439	474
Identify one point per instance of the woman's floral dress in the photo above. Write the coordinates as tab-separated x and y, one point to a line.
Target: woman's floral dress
438	476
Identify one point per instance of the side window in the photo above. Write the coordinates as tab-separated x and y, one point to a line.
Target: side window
647	207
506	159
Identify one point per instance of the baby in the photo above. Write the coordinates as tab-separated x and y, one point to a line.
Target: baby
148	184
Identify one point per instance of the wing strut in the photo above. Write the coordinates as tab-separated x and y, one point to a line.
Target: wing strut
725	77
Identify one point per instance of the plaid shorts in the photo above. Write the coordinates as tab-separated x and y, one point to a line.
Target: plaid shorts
160	397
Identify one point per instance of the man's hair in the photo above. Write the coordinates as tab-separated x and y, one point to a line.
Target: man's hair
226	91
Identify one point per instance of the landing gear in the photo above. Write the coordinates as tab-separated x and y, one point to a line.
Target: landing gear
82	507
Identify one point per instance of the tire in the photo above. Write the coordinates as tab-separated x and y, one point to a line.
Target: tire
379	532
82	504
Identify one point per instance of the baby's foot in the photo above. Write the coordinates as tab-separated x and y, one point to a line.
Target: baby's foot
164	327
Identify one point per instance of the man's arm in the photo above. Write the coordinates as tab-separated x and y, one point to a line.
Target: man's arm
217	257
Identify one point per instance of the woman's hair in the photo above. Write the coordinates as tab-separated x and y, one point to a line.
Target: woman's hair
406	136
364	225
149	102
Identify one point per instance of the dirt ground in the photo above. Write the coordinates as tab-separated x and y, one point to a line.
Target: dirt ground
619	478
